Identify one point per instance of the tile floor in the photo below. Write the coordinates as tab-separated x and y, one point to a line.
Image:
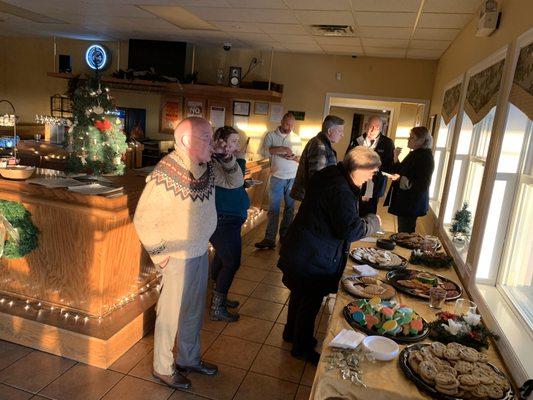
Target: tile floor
254	361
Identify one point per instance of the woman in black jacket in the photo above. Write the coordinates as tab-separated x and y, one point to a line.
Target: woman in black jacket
408	197
314	252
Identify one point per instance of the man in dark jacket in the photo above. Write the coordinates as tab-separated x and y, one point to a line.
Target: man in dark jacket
318	154
374	139
314	252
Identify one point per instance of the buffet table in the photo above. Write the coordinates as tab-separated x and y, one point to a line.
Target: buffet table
384	380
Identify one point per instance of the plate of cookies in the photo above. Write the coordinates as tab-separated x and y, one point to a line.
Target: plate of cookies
454	372
418	283
416	241
367	287
386	318
377	258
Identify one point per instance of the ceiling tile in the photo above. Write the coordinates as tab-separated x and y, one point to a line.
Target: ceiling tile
292	38
435	34
429	44
393	43
386	5
384	33
269	16
268	4
325	17
333	40
458	21
452	6
328	5
196	3
220	14
385	19
384	52
425	54
256	37
289	29
303	48
338	49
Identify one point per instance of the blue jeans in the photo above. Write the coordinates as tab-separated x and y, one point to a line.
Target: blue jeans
279	189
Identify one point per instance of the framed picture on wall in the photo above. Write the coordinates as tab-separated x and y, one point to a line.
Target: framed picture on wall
432	122
195	107
241	108
261	108
171	113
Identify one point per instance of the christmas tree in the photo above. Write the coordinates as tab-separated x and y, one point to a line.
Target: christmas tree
95	141
461	222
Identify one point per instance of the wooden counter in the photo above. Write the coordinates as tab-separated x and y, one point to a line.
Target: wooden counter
87	291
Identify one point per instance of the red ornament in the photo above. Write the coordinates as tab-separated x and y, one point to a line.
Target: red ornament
104	125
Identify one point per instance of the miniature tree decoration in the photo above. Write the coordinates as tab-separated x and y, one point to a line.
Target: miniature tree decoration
461	224
95	141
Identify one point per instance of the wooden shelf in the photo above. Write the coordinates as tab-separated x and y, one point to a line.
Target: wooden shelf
183	89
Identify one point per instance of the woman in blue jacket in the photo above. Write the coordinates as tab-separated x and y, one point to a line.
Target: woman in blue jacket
232	204
314	252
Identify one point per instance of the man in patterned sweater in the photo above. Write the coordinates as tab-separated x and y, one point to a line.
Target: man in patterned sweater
175	218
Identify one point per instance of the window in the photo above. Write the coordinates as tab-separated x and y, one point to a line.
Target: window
442	156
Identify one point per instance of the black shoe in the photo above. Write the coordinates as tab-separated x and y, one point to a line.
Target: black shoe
175	381
203	368
218	311
311	356
232	303
289	338
265	244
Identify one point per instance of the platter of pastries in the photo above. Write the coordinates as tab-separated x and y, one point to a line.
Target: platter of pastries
386	318
416	241
454	371
418	283
367	287
377	258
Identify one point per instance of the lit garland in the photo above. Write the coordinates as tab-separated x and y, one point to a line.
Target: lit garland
50	120
17	215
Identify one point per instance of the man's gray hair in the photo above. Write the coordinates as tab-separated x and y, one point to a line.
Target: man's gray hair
361	157
330	121
421	132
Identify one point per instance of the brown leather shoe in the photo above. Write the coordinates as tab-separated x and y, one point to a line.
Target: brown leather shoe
176	380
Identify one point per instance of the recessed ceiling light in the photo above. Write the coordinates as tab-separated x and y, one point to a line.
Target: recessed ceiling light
179	16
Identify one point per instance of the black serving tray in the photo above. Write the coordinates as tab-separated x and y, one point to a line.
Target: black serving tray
394	276
430	390
402	266
397	339
392	237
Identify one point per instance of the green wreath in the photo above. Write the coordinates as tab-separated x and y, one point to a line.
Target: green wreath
19	217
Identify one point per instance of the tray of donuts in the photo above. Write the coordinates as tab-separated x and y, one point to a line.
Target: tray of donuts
454	372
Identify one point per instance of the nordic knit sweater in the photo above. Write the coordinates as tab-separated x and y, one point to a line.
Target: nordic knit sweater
176	214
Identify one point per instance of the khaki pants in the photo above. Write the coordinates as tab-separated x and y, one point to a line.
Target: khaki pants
179	313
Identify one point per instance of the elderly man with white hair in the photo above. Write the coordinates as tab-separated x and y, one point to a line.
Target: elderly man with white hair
374	139
408	197
175	218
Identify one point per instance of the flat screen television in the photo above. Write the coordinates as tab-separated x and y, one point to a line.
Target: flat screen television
166	58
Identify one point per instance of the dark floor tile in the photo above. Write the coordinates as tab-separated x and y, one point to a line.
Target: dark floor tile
271	293
304	392
43	368
223	386
233	351
261	309
129	359
82	382
249	328
261	387
10	393
278	363
131	388
11	352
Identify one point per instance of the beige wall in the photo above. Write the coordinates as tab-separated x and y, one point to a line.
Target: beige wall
467	50
24	62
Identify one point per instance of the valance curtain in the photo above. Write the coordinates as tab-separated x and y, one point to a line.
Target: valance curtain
482	92
522	90
450	105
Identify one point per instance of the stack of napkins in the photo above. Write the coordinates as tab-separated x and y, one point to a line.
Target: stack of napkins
347	339
364	270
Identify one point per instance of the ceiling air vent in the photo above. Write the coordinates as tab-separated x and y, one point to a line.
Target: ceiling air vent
332	30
